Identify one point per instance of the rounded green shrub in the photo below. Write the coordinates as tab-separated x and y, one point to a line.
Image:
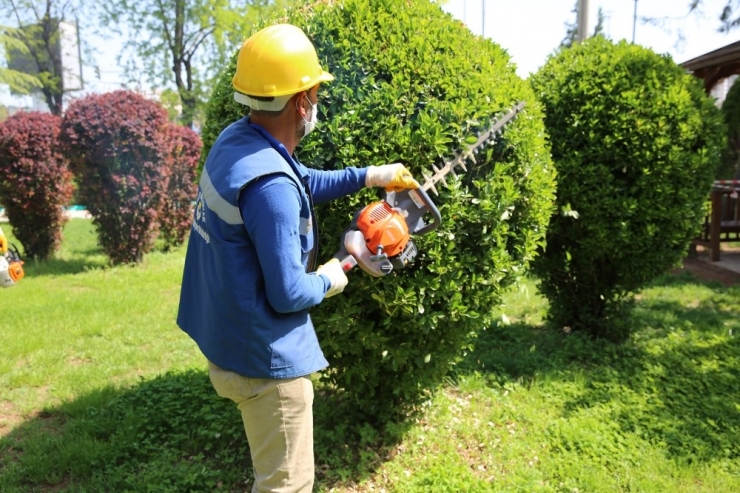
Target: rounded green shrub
729	169
411	86
636	142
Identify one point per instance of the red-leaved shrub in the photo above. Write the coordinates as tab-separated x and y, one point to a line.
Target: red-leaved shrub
35	181
117	146
177	212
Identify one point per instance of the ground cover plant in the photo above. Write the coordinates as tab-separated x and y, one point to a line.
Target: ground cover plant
636	142
412	85
100	391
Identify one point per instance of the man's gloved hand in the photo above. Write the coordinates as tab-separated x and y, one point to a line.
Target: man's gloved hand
391	177
337	278
3	242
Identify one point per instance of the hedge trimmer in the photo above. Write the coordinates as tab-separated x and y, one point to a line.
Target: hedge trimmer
11	267
379	237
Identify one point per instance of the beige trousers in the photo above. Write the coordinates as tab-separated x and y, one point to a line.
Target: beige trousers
278	419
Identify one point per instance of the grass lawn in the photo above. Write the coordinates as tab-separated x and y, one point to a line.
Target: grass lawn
101	392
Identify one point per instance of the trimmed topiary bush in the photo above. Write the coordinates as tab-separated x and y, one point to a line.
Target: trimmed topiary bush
636	142
35	181
176	215
412	85
729	168
118	149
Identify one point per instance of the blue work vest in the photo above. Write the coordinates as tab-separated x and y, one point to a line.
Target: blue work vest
223	302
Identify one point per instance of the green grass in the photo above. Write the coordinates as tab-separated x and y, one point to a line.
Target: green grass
100	391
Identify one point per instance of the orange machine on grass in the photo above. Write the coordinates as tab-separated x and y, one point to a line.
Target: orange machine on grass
11	265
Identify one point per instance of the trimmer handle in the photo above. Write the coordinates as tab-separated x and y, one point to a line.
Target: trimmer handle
347	262
416	202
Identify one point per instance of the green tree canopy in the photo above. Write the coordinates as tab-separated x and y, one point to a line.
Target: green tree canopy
18	81
35	40
182	42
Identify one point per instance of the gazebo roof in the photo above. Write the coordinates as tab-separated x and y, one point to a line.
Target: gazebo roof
715	65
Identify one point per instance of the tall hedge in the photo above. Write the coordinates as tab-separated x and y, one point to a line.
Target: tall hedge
176	216
412	84
35	181
636	142
730	166
118	148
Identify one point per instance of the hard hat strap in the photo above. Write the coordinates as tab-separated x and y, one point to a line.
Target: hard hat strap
275	104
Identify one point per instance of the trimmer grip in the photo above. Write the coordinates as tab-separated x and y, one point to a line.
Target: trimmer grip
347	263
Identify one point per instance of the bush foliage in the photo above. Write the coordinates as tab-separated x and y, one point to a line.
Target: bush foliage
730	167
411	85
118	149
636	142
35	181
182	161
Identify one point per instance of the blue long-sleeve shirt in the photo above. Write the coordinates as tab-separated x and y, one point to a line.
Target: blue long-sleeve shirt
274	229
246	293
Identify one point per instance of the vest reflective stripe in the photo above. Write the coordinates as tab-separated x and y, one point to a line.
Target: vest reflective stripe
225	211
305	226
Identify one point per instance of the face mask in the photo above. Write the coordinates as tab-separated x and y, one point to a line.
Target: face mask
311	124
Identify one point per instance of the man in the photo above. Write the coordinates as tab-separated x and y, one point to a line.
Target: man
249	275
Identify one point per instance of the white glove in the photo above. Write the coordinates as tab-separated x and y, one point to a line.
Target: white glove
337	278
390	176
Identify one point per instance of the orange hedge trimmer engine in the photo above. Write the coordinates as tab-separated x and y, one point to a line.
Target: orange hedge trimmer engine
379	237
11	267
386	233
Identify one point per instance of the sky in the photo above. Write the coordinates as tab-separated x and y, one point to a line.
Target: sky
529	30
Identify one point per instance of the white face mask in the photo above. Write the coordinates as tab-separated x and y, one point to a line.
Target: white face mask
311	124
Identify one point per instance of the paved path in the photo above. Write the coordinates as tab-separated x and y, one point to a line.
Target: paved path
76	214
729	258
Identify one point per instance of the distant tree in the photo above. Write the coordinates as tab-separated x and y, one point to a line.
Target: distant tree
170	100
571	33
36	34
730	16
18	82
182	41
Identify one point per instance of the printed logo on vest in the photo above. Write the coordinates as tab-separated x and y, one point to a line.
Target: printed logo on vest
200	215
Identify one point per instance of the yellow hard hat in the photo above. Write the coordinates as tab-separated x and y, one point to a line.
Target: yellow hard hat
276	61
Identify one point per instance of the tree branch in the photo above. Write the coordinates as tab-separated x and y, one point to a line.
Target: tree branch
190	53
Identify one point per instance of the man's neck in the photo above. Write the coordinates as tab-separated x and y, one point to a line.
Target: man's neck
281	130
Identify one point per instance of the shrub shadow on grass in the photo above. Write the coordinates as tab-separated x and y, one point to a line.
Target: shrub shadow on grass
673	384
168	433
89	260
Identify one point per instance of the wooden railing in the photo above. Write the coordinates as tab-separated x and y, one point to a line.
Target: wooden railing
723	222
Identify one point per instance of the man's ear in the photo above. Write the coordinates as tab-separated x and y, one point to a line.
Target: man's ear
299	103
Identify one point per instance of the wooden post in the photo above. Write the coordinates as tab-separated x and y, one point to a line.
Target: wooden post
715	225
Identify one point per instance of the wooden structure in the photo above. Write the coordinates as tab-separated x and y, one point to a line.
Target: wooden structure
723	222
716	65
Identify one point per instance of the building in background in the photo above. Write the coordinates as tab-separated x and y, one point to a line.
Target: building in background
64	58
718	69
